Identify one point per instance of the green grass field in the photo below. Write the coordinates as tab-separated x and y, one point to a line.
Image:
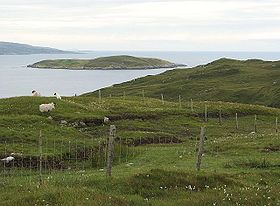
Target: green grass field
155	153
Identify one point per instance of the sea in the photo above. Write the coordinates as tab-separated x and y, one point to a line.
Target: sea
16	79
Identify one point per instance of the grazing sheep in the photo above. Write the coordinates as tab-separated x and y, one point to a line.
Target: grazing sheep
106	120
35	93
46	107
57	95
8	159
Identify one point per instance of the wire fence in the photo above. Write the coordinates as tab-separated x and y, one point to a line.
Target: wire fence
51	155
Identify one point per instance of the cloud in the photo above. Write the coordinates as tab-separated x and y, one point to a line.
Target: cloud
142	25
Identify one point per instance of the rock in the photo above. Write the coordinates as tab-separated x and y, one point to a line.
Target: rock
50	118
75	124
106	120
63	122
83	124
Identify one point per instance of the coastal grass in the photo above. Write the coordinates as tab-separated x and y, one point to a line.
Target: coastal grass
239	167
227	80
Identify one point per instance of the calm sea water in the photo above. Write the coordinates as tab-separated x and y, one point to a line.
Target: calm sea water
18	80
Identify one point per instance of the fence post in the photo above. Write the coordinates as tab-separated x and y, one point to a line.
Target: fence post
220	116
76	155
4	162
200	148
191	105
84	157
21	156
120	148
180	102
61	154
127	150
41	157
99	154
91	152
54	155
236	121
110	154
99	95
276	125
205	113
255	123
162	98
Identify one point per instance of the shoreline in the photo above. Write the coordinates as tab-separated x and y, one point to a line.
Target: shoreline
175	66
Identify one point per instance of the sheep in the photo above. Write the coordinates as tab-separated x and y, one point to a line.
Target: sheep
8	159
106	120
35	93
46	107
57	95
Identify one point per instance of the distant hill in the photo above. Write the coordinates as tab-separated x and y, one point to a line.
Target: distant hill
105	63
9	48
251	81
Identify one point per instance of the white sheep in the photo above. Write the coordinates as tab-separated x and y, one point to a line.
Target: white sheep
8	159
57	95
35	93
46	107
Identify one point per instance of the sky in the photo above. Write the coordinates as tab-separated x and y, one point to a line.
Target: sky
143	25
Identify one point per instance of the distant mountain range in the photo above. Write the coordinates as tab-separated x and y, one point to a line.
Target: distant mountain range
9	48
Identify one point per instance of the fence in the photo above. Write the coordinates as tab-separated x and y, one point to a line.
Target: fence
50	155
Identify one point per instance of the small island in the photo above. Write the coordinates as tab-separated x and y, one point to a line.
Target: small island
106	63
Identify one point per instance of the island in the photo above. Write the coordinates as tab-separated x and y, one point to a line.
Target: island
122	62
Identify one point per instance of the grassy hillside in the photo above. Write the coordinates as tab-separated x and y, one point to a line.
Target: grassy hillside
9	48
251	81
113	62
155	153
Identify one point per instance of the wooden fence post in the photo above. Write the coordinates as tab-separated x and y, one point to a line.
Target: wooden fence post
255	123
110	154
191	105
76	155
220	116
200	148
91	152
4	162
180	102
99	154
236	121
120	148
99	95
276	125
41	157
205	113
127	150
162	98
84	158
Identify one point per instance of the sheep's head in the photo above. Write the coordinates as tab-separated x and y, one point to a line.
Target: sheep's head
53	105
54	94
33	91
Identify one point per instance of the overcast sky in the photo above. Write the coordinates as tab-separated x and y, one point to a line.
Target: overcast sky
188	25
